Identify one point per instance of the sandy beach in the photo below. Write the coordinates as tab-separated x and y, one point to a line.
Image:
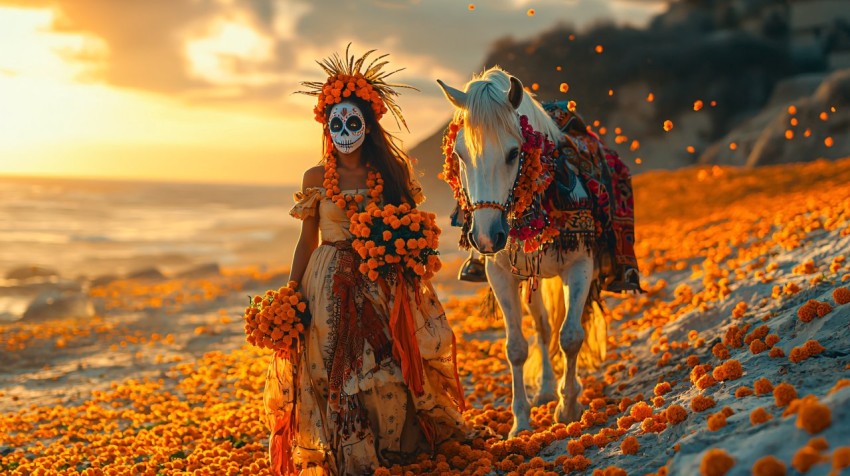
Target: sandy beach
143	368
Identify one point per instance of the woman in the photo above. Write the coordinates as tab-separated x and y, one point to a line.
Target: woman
363	393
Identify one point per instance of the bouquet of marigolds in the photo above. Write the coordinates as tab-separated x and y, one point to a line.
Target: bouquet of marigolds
392	235
276	319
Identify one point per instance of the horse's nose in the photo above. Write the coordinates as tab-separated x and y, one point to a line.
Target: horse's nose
500	242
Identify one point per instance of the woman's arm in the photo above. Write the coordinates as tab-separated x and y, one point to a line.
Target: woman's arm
308	241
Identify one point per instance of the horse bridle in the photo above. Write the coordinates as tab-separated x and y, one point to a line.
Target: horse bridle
502	207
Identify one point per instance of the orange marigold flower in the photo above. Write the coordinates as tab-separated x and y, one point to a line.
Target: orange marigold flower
625	402
706	381
716	462
758	333
601	440
759	416
819	443
676	414
841	457
641	411
625	422
805	458
649	425
574	447
739	310
658	401
841	296
797	403
630	445
776	352
693	361
823	309
808	311
783	394
734	337
841	383
813	347
700	403
597	403
771	340
757	347
662	388
729	370
716	421
814	417
743	392
769	466
798	354
720	351
698	371
762	386
576	463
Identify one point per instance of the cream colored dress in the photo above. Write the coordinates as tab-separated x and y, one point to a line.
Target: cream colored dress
391	423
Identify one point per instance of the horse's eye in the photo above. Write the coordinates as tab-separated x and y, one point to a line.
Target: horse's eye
512	155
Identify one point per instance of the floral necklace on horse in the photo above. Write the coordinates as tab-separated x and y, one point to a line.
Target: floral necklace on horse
529	217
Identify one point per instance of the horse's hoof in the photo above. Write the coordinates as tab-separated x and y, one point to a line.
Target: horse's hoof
517	429
543	398
569	413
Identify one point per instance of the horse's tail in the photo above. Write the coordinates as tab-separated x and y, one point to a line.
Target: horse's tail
593	350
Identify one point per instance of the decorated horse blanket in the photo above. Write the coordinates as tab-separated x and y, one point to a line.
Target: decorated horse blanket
606	178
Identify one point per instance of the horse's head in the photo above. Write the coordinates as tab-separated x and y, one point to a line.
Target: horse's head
487	149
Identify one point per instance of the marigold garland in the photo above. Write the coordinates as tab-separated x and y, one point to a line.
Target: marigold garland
533	229
396	235
276	320
350	202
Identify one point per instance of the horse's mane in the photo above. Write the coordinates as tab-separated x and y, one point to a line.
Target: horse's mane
488	111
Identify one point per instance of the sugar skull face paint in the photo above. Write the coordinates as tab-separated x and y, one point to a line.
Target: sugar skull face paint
347	127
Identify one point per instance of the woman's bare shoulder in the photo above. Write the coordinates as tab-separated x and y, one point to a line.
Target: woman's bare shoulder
313	177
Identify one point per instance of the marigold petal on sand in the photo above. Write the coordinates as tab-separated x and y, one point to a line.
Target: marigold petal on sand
716	462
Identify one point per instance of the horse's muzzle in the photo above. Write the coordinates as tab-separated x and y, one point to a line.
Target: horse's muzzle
492	237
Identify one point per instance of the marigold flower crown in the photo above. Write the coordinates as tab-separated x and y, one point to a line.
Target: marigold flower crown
347	77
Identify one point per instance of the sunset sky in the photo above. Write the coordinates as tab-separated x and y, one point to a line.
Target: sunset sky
201	90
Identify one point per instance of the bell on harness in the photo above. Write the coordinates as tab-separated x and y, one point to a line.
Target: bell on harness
472	270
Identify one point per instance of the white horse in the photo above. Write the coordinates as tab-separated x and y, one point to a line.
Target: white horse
487	145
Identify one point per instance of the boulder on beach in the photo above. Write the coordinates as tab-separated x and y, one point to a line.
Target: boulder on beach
30	272
59	305
201	271
146	273
103	280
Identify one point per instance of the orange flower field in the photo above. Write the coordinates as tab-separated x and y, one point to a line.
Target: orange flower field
736	361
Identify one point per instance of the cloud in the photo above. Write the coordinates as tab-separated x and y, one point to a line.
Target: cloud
251	54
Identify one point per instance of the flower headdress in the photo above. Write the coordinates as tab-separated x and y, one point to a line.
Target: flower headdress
346	78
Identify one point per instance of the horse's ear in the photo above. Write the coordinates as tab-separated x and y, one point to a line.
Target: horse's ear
455	96
515	94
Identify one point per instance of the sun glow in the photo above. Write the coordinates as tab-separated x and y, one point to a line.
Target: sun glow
56	119
230	52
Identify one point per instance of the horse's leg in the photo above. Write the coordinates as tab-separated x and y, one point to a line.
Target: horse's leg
577	279
546	393
506	288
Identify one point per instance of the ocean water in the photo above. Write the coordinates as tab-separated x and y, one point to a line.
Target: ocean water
95	227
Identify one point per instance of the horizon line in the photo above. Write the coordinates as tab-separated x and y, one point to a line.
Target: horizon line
144	180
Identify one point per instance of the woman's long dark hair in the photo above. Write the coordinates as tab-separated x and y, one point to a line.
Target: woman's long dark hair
381	151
